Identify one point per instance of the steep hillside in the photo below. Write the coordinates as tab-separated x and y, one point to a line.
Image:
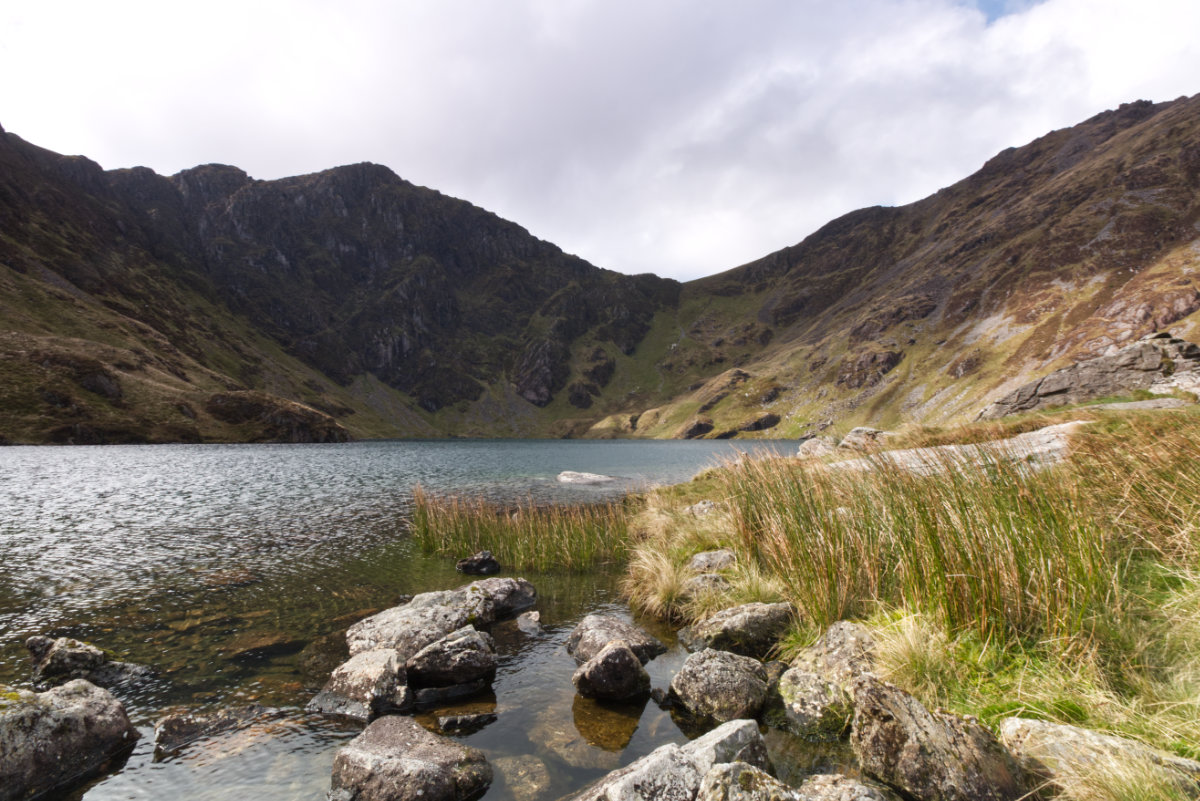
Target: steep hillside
1083	239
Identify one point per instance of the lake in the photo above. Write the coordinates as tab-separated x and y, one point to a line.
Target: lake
235	570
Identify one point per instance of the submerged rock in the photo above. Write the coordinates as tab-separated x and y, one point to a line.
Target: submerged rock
465	724
614	674
175	731
750	629
526	777
720	686
934	756
395	759
596	631
366	686
59	738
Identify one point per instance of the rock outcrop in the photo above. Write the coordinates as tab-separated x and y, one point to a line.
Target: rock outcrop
395	759
59	738
1158	359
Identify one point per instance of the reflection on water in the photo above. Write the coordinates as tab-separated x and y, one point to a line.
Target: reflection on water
235	571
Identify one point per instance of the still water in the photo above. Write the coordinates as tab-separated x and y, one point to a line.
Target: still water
234	570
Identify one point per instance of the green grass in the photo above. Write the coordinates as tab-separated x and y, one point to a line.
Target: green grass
527	536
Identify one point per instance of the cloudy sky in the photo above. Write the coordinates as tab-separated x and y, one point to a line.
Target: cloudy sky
680	137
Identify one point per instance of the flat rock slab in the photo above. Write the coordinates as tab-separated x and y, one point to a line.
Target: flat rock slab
596	631
750	629
720	686
57	739
927	755
395	759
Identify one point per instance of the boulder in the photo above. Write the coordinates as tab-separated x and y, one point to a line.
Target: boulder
1156	361
56	661
530	623
711	561
480	564
57	739
835	787
596	631
844	652
460	657
674	772
863	438
720	686
369	684
425	697
704	584
1055	751
934	756
740	781
750	629
816	447
614	674
395	759
175	731
432	615
810	706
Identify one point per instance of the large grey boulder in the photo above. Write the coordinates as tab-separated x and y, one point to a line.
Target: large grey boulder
1057	753
720	686
432	615
614	674
863	438
57	739
750	629
56	661
596	631
369	684
816	447
809	706
933	756
674	772
1152	360
740	781
462	656
844	652
395	759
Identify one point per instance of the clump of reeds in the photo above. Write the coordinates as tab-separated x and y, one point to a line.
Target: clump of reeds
523	536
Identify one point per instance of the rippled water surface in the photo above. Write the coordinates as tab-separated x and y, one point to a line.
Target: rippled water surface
235	570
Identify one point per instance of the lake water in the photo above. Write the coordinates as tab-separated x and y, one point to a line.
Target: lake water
235	570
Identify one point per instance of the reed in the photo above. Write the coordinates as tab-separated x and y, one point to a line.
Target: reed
525	536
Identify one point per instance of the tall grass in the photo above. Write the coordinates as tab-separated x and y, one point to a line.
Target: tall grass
525	536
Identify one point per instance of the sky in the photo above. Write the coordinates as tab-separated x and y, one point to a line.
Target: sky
679	137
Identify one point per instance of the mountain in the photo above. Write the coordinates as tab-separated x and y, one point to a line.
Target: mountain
211	306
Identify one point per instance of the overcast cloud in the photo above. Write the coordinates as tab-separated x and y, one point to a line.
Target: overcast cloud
679	137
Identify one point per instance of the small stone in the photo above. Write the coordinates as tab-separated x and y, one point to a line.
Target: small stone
530	623
480	564
712	561
465	724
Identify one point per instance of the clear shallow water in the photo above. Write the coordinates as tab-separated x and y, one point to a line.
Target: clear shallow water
235	569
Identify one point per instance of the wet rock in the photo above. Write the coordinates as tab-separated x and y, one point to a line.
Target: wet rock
465	724
863	438
175	731
720	686
809	706
461	657
394	759
835	787
816	447
934	756
56	661
530	623
480	564
607	724
57	739
1055	751
596	631
703	584
711	561
739	781
526	777
614	674
426	697
844	652
581	749
750	629
256	645
674	772
432	615
368	685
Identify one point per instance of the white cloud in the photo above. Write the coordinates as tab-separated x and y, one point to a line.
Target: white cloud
678	136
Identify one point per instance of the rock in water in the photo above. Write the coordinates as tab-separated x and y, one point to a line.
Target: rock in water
395	759
614	674
364	687
720	686
56	739
480	564
175	731
596	631
572	477
460	657
926	755
56	661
